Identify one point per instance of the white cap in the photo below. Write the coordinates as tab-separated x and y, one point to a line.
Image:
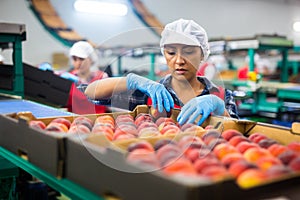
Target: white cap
185	32
1	58
83	49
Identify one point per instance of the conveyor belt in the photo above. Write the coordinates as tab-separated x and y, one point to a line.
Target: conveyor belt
38	110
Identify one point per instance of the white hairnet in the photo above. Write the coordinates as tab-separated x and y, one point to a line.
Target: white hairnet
83	49
185	32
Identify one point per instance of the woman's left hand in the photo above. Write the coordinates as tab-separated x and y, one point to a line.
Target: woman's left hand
202	105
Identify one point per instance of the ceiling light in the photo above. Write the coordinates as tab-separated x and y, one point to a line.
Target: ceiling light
100	7
296	26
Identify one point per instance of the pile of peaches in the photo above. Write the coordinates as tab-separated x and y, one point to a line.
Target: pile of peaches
124	126
250	161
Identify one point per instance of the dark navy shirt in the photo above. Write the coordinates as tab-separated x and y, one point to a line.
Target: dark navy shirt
130	99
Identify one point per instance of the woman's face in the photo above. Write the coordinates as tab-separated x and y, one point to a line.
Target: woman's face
81	64
183	60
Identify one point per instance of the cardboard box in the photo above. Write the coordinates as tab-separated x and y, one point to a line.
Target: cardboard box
101	167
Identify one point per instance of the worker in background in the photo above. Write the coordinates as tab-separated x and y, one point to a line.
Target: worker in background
184	45
83	70
1	60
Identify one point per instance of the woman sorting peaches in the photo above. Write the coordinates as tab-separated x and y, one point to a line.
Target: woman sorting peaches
184	45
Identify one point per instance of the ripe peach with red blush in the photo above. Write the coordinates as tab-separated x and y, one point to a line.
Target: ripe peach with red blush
210	135
56	127
277	149
237	167
162	142
229	133
167	152
253	154
295	146
223	149
295	164
230	158
256	137
179	166
251	177
142	117
63	121
266	143
265	163
216	172
37	124
235	140
143	144
244	145
83	120
79	128
170	130
203	163
287	156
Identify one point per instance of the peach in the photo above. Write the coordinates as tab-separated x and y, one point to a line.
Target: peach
266	143
106	134
237	167
142	117
208	127
143	144
287	156
295	146
180	165
80	128
164	124
215	141
63	121
251	177
229	133
156	114
216	172
244	145
56	127
278	171
106	119
210	134
230	158
194	154
295	164
265	163
277	149
146	124
125	118
235	140
167	152
160	143
142	156
37	124
170	130
119	132
194	129
148	132
203	163
190	141
253	154
223	149
127	129
164	119
256	137
83	120
100	128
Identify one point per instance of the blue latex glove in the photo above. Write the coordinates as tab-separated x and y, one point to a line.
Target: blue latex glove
157	92
45	66
70	77
202	105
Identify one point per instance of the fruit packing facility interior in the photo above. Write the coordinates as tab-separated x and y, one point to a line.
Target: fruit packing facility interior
47	152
